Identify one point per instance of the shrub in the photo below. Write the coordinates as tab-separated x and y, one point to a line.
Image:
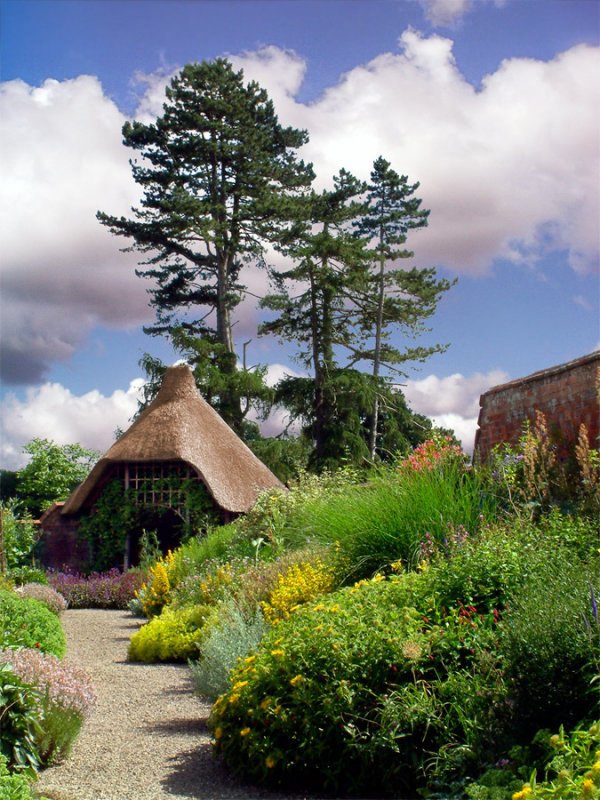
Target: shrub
487	568
174	635
28	574
207	587
356	693
64	696
14	786
568	770
228	637
387	520
19	713
550	644
28	623
299	584
19	534
155	593
112	589
53	601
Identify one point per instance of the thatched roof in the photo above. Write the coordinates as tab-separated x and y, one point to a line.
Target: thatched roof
179	425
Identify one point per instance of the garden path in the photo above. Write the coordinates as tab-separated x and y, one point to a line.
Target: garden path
147	737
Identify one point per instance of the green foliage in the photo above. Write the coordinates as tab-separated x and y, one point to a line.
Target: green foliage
174	635
106	528
389	519
228	637
551	638
355	693
567	763
19	723
489	567
28	623
18	533
403	298
63	695
219	175
286	456
14	786
52	472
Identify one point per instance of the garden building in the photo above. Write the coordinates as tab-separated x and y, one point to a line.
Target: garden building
178	462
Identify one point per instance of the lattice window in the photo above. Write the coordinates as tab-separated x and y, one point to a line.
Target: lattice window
161	483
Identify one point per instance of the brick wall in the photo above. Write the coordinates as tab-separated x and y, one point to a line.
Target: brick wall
59	544
567	394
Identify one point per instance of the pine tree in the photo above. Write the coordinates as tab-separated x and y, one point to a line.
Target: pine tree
330	265
394	298
220	178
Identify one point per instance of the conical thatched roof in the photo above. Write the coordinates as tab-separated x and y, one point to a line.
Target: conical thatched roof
179	425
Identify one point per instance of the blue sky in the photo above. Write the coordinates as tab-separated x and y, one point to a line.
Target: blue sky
491	104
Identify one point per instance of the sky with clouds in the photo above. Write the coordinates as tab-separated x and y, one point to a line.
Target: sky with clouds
492	105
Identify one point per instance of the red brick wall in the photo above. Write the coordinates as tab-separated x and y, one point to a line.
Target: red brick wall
59	544
567	394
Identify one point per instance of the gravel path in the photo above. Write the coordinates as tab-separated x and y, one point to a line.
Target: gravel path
147	737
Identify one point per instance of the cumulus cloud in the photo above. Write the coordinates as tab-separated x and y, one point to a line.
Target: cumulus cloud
53	412
509	170
453	401
62	273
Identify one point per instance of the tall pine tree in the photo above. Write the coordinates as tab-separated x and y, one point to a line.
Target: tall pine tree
219	176
312	299
394	298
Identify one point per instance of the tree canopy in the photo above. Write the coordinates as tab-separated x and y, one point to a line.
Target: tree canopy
219	176
52	473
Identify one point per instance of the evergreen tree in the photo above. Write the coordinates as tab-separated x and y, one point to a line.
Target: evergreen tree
220	177
330	265
394	298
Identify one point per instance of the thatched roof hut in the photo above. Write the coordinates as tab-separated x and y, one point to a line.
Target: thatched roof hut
179	426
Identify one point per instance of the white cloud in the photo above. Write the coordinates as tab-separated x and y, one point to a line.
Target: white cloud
53	412
62	272
445	12
453	401
509	171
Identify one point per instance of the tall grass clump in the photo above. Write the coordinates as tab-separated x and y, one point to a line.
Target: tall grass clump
375	525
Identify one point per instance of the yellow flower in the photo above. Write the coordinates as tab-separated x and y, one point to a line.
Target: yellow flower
378	578
233	698
320	607
265	703
298	679
588	787
250	659
244	731
422	567
596	766
525	792
218	732
270	762
240	684
278	652
334	608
